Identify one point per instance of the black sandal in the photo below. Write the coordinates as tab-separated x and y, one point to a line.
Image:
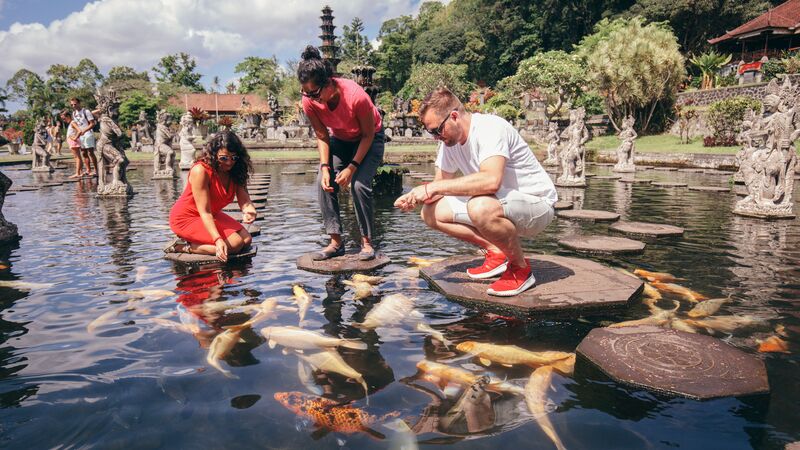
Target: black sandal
328	254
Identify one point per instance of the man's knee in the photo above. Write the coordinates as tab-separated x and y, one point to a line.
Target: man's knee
428	214
483	209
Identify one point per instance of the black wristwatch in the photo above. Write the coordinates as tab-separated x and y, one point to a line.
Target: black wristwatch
355	163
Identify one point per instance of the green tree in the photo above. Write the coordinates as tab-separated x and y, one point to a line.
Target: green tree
556	74
708	64
3	100
427	77
259	75
126	73
37	94
179	69
355	45
394	57
637	68
130	108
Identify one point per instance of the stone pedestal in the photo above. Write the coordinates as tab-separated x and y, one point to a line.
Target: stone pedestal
166	174
187	155
8	231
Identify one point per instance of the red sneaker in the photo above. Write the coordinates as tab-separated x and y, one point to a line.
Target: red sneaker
493	265
514	281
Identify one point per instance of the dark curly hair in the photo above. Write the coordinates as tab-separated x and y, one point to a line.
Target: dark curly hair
242	168
313	68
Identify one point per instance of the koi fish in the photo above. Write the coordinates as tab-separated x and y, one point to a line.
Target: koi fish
362	289
153	294
425	328
536	398
447	374
391	310
510	355
650	292
681	325
422	262
677	289
329	414
303	300
773	344
373	280
300	339
330	361
724	324
16	284
661	277
655	309
104	318
659	319
222	344
191	329
3	266
706	308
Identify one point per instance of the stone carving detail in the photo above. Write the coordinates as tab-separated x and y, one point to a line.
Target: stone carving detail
141	133
573	156
163	155
186	137
41	157
8	231
626	150
553	141
111	160
769	158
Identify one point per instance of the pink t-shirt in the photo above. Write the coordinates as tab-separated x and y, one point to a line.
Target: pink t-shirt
342	122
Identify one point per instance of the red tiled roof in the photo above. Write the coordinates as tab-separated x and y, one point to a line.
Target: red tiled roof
786	16
221	102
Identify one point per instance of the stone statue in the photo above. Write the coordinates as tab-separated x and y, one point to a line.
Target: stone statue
163	155
8	231
144	130
750	125
110	155
272	102
626	150
41	157
186	137
768	167
573	156
553	141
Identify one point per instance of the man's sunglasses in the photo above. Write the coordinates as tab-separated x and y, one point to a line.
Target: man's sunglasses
438	131
224	158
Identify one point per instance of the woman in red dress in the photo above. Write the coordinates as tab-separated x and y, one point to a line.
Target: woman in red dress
218	176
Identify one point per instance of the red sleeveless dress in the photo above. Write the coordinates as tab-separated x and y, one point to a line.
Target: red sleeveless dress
185	221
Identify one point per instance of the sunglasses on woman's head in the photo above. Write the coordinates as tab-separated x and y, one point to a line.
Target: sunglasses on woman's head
225	158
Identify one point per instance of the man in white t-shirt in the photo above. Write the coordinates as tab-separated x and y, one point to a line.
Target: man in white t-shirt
85	121
503	193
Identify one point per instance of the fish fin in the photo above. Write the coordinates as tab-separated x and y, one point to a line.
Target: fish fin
271	343
320	433
485	362
416	314
372	433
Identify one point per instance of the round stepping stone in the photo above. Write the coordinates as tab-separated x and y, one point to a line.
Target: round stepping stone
294	172
602	245
645	229
716	172
590	215
565	286
668	184
710	188
608	177
341	264
562	204
674	362
193	258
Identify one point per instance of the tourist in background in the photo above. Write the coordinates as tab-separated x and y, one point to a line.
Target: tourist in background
504	192
218	176
73	141
350	141
85	121
55	135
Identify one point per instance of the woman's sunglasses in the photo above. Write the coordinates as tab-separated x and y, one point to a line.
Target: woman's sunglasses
224	158
315	93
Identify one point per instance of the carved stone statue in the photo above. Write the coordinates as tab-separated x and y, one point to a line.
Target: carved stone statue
745	139
145	130
163	155
8	231
41	157
112	179
573	156
186	137
272	102
626	150
768	167
553	141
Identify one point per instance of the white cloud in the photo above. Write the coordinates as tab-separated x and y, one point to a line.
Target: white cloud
139	33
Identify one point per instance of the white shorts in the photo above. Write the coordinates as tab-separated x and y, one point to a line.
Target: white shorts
87	140
529	213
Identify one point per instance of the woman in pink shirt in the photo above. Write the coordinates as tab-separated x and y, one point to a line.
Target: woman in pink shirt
350	142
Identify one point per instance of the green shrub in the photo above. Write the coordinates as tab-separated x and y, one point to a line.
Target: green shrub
725	116
593	103
772	68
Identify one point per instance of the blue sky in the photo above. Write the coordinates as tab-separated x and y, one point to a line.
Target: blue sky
37	33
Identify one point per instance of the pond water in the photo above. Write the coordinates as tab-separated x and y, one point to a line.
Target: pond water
132	383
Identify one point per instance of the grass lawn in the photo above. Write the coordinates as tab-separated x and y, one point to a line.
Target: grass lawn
661	143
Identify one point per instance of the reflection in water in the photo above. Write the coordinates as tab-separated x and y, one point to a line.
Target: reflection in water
118	225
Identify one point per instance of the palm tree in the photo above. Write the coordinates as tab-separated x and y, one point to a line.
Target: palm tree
215	84
709	63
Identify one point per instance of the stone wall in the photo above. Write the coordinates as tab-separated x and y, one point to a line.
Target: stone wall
709	96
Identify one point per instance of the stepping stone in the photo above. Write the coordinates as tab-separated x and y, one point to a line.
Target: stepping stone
290	172
16	168
717	172
602	245
234	207
691	170
258	192
564	286
253	198
645	229
740	190
131	169
608	177
253	229
674	362
562	204
68	180
710	188
634	180
411	163
192	258
238	215
668	169
644	167
259	183
589	175
590	215
604	164
341	264
668	184
22	189
41	185
312	172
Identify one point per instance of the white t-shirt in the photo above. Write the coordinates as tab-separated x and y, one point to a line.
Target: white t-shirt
82	117
490	135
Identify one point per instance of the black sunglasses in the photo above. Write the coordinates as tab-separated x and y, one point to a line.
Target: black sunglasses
224	158
315	94
440	128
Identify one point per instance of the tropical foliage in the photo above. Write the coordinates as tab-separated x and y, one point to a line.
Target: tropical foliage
709	64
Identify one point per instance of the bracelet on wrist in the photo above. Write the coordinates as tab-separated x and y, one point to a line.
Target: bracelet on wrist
355	163
324	165
218	238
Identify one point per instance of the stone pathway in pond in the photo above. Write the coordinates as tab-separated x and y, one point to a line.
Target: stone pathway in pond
602	245
590	215
645	229
342	264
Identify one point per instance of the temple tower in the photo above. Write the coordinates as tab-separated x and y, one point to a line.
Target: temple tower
329	48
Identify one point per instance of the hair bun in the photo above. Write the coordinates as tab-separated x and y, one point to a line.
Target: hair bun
310	52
